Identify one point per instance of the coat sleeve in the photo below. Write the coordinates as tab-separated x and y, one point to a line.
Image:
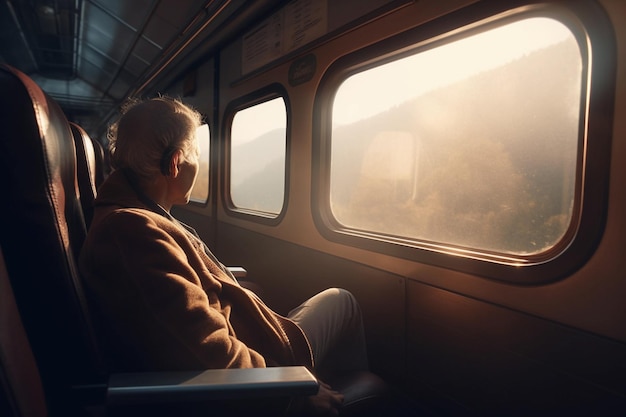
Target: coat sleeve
144	284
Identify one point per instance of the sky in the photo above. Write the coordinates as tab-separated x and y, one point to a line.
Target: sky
253	122
373	91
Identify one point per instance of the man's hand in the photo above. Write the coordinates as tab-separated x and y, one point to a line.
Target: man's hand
326	402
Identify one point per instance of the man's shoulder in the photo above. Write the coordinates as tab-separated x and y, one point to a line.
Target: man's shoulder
126	222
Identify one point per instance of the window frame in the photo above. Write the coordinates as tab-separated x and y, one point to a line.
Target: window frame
593	30
260	96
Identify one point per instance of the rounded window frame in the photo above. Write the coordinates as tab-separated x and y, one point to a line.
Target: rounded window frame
593	30
260	96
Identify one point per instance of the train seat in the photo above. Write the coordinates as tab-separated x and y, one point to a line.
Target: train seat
42	231
102	169
87	168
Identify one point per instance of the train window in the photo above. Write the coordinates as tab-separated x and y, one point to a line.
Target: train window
471	142
200	191
258	158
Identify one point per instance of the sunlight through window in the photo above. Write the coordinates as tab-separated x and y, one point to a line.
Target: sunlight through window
258	151
473	142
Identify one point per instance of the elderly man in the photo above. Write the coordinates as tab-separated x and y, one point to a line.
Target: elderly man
167	303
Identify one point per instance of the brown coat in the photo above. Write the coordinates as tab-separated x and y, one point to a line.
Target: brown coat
165	304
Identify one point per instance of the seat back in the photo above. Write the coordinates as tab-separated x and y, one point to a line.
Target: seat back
42	231
102	166
86	169
102	169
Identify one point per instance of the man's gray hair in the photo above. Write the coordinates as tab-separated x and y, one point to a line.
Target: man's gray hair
149	131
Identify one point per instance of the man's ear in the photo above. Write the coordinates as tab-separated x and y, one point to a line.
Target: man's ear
177	158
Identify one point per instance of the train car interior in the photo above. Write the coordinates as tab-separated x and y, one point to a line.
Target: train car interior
457	165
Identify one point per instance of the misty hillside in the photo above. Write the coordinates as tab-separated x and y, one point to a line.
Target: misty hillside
253	157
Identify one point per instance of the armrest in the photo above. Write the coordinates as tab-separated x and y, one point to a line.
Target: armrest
240	275
212	384
237	271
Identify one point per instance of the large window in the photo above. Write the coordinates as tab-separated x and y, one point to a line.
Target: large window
257	158
200	191
474	142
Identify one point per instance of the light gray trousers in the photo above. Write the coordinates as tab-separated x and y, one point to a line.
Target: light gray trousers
332	322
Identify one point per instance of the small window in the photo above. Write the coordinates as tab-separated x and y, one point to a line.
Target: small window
200	191
474	143
258	158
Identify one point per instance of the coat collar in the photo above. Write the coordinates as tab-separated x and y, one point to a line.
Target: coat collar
124	191
117	190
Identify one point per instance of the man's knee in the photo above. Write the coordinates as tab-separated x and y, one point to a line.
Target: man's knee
346	301
340	295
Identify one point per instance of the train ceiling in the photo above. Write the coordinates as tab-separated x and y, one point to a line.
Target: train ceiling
90	55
